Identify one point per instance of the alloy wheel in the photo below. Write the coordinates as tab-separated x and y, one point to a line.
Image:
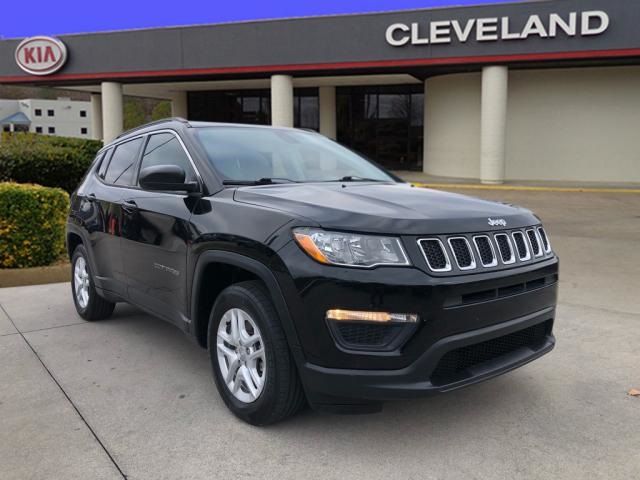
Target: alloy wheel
241	355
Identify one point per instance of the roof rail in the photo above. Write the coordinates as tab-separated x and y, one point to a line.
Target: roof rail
156	122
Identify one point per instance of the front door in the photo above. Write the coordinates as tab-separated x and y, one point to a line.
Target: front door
156	235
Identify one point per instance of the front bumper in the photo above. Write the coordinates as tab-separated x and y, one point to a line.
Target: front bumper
457	314
334	385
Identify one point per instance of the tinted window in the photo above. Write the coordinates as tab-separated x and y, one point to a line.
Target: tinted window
104	163
122	165
165	149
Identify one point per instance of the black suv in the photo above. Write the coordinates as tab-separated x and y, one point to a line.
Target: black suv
308	272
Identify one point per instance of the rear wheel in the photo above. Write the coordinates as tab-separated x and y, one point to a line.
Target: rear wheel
89	304
252	365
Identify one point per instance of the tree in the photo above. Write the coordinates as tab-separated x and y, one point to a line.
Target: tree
161	110
134	114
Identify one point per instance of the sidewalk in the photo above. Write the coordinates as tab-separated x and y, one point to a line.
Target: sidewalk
425	180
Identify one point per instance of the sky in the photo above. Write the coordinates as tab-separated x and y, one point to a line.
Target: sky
38	17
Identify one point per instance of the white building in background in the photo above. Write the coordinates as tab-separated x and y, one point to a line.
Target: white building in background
62	117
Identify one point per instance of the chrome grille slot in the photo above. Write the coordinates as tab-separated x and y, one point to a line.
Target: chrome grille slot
462	253
504	246
545	240
521	246
435	254
486	253
535	243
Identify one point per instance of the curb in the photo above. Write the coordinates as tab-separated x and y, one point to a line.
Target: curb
19	277
523	188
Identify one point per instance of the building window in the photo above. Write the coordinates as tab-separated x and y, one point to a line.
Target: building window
83	130
50	113
38	112
51	130
383	122
38	129
83	113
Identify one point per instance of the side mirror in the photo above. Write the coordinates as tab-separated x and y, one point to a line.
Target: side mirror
167	178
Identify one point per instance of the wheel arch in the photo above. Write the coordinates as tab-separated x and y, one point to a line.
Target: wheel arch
256	270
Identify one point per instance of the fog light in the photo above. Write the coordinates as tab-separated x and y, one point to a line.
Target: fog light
375	317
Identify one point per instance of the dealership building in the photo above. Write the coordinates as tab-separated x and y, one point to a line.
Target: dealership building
541	90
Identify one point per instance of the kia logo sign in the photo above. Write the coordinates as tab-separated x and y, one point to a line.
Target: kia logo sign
41	55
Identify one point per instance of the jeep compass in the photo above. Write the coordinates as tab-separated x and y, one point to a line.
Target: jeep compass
309	273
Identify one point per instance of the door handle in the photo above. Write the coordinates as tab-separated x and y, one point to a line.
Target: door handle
129	205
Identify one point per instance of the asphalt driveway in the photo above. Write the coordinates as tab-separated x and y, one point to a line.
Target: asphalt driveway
131	397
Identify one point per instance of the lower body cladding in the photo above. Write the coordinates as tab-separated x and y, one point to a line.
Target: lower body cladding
470	328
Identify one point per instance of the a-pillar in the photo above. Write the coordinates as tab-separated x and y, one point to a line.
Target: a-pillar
493	129
112	121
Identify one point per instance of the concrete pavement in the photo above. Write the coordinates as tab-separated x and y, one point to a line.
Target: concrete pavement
131	396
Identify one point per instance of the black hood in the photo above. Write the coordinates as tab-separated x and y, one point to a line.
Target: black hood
385	207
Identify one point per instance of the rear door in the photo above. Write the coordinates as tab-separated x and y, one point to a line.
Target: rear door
115	174
157	233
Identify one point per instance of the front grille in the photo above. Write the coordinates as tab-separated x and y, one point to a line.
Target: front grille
468	253
455	365
434	253
462	253
485	251
521	246
535	244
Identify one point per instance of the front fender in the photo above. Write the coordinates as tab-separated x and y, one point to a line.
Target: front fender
260	270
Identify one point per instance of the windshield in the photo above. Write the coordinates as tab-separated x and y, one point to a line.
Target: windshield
253	154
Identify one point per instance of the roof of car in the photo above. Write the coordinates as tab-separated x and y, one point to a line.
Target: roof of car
181	122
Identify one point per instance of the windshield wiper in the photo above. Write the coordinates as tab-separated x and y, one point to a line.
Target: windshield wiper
260	181
355	178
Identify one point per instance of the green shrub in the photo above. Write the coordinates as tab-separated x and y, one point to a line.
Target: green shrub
46	160
32	225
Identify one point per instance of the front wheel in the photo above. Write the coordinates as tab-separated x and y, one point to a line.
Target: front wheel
252	365
89	304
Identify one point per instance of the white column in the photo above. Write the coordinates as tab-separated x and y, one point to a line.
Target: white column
282	101
493	128
96	116
179	105
328	119
112	121
425	129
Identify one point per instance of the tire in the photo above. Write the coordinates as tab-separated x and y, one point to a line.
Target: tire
281	394
92	306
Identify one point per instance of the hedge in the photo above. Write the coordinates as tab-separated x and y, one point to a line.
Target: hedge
46	160
32	225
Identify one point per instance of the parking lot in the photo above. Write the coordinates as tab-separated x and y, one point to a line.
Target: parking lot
131	397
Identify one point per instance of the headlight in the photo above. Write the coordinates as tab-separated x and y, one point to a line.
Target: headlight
350	249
